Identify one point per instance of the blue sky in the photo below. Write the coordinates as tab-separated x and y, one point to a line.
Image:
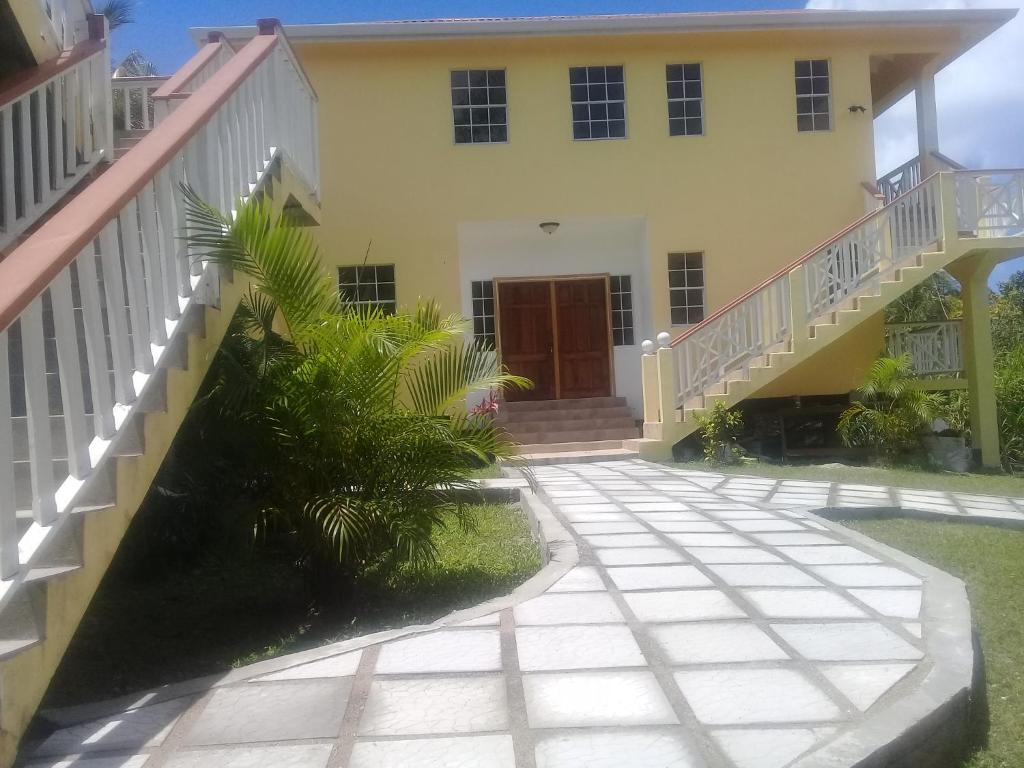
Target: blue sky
980	97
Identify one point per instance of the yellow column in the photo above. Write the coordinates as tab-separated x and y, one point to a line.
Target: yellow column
973	272
652	386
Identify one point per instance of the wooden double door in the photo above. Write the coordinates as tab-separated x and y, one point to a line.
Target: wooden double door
557	333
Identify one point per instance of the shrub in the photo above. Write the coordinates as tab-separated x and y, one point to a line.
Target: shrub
719	428
340	431
890	414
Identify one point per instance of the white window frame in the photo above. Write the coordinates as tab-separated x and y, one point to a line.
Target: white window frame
699	100
684	290
470	107
812	95
389	306
606	101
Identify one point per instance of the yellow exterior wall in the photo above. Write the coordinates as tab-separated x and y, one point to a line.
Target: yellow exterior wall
753	193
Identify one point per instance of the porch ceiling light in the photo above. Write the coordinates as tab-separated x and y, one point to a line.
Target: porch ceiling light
549	227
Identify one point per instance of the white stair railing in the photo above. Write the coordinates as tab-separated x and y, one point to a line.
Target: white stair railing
133	101
990	203
849	265
53	131
116	276
933	348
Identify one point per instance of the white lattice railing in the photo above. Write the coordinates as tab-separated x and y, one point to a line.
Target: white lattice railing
110	335
53	130
933	348
990	203
907	176
849	265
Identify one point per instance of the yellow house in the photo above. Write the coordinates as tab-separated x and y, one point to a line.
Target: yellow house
577	185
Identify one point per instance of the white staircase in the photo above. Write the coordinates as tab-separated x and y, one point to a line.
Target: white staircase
96	373
818	299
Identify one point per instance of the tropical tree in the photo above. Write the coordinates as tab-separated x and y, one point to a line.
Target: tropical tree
118	12
890	413
348	427
935	298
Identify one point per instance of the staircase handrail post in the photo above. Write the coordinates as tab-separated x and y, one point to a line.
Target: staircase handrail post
668	383
950	226
99	29
798	303
651	383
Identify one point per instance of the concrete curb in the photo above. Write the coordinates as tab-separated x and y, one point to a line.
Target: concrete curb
558	554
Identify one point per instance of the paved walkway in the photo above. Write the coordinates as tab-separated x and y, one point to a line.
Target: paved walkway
677	626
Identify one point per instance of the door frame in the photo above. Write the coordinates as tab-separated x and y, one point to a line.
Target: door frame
551	280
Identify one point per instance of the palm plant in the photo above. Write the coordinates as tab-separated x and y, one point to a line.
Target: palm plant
890	413
118	12
350	430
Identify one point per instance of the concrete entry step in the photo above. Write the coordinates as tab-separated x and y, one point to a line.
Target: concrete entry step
597	433
563	405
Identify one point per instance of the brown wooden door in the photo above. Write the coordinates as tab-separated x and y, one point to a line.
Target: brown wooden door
526	337
583	350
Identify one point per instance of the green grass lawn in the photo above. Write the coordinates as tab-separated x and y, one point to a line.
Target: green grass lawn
1000	485
991	562
235	608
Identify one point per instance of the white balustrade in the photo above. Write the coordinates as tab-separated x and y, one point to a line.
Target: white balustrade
990	203
50	137
933	348
900	180
83	350
134	107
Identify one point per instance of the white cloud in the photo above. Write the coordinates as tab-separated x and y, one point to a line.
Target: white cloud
979	97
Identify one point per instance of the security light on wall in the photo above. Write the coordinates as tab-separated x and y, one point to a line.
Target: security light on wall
549	227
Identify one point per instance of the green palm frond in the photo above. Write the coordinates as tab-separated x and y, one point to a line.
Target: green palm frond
118	12
448	377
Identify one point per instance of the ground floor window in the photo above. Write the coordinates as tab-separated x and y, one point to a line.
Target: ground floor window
622	310
686	287
369	285
483	313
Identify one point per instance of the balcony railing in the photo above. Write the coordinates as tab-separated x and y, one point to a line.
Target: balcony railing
133	104
934	348
909	175
990	203
53	129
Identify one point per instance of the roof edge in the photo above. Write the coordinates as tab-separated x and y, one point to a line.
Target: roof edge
426	29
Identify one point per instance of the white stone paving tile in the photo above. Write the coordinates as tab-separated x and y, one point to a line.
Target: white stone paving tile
657	577
581	608
739	514
596	507
766	575
740	696
765	526
579	647
898	603
616	749
595	699
864	684
429	705
793	539
342	665
297	756
708	540
802	604
846	642
623	540
643	498
655	517
638	556
834	555
597	517
588	528
913	627
682	605
765	748
714	643
656	506
486	751
732	555
687	526
866	575
308	709
143	727
442	651
580	579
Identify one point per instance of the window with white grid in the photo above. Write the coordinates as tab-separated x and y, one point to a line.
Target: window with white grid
813	95
480	106
370	285
686	287
598	102
622	310
483	313
685	86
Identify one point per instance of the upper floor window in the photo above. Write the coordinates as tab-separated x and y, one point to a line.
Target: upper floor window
598	102
479	106
813	95
370	285
621	290
686	287
685	99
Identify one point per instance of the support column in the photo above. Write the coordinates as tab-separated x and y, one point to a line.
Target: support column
927	122
973	273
